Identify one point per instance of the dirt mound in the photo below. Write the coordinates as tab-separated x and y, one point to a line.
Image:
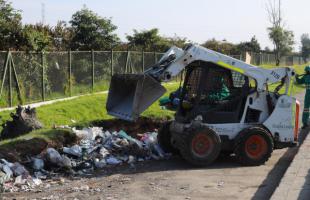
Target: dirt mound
21	150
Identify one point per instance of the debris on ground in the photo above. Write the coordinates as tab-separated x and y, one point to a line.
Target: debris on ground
96	150
24	121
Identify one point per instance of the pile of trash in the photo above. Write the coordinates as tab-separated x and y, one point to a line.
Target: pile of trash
97	149
15	177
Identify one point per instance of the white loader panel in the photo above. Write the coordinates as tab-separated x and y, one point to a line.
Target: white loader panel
230	130
282	119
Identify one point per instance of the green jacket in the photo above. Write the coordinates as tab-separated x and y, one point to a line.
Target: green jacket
305	79
221	92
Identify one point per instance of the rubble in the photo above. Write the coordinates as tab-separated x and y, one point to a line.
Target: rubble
54	157
97	149
24	121
19	170
75	150
37	164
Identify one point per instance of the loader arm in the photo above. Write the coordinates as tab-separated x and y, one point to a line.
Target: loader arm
131	94
194	52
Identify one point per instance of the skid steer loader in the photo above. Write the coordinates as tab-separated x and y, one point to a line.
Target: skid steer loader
225	106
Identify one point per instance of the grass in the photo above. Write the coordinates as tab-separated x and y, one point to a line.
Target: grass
81	112
87	109
36	96
299	69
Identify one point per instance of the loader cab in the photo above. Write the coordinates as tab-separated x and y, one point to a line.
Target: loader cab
213	92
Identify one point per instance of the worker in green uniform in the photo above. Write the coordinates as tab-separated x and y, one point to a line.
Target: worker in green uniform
305	79
221	91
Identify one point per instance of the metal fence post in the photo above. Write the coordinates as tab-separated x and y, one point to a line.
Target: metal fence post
127	60
155	59
10	81
69	71
43	76
142	60
93	70
111	62
6	64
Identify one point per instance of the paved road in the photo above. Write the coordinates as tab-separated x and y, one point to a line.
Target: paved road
174	179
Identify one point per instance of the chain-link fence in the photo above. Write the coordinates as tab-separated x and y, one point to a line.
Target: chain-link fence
35	77
54	75
270	59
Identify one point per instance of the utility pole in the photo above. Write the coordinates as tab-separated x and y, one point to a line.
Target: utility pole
280	13
43	13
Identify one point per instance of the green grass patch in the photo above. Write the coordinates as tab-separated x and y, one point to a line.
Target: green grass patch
82	112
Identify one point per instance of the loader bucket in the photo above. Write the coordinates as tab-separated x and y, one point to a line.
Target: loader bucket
131	94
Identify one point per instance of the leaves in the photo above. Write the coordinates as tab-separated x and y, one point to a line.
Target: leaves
283	41
10	26
150	40
92	31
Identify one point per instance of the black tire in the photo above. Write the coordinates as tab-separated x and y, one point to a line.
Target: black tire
164	139
199	145
253	146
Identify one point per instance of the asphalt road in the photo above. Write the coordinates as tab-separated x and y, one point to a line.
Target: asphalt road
173	179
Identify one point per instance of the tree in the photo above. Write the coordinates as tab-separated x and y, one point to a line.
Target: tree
267	50
305	46
10	26
148	40
252	46
281	38
178	41
36	38
92	31
61	36
221	46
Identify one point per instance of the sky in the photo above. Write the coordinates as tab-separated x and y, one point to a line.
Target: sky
196	20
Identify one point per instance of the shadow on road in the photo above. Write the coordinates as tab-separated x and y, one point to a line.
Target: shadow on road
174	164
271	182
305	190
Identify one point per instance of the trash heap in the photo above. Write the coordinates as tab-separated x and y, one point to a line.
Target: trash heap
97	149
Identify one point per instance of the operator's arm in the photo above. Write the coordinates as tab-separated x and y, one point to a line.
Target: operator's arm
300	80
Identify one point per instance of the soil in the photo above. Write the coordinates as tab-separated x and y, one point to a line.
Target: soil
22	150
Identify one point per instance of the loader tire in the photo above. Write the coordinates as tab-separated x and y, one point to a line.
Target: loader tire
164	139
253	146
200	146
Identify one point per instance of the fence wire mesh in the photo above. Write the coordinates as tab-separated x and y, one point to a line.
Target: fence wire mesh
29	74
102	70
56	75
53	75
81	68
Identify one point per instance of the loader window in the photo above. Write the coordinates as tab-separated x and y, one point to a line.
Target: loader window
216	93
238	79
192	86
216	86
